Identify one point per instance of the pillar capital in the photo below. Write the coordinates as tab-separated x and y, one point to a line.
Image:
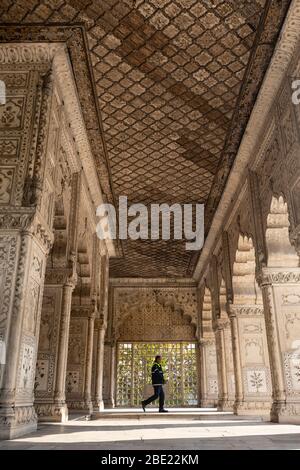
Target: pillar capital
27	220
245	310
91	315
207	341
61	276
221	324
100	324
295	239
272	276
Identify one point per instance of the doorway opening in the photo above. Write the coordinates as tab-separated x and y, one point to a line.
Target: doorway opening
134	362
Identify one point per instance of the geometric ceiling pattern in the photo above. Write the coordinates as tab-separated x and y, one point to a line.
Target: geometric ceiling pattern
168	77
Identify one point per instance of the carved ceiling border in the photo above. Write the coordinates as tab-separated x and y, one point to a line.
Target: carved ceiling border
57	54
266	38
284	52
73	36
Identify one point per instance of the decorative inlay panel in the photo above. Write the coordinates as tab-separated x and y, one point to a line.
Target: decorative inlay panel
292	369
256	381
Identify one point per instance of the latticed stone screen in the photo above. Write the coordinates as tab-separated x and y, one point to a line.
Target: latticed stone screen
134	372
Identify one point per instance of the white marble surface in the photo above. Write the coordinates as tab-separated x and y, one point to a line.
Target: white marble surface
181	429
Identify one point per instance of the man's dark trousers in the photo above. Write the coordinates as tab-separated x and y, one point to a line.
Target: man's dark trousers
158	393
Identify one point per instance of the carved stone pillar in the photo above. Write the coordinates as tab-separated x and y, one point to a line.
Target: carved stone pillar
203	375
25	233
221	367
23	260
60	405
109	371
236	361
80	358
199	373
209	374
230	376
226	385
89	360
106	347
281	295
100	335
50	399
251	360
60	281
39	158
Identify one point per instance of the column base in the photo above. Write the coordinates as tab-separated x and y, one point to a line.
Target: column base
209	403
17	421
98	406
109	403
225	405
253	408
53	412
81	405
285	412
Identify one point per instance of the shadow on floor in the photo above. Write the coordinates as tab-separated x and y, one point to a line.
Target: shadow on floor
61	429
227	432
261	442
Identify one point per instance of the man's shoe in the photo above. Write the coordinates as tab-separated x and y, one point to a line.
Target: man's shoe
163	411
143	406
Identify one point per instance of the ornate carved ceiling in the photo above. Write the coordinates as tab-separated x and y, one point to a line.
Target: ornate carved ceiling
176	82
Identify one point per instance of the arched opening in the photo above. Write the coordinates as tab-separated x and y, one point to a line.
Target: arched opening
46	378
248	329
281	253
245	287
154	324
78	372
281	289
209	371
224	353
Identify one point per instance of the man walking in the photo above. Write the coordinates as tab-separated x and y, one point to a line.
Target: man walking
157	382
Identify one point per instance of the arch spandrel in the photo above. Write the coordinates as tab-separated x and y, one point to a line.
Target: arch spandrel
178	310
281	253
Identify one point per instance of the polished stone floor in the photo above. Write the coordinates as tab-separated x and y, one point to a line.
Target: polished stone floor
179	429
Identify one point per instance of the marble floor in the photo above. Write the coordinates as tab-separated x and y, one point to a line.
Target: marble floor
180	429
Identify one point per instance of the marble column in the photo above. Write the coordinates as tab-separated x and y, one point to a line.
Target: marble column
25	232
60	405
230	376
199	373
221	365
281	295
236	361
100	335
89	361
109	371
23	261
50	399
209	374
60	282
251	360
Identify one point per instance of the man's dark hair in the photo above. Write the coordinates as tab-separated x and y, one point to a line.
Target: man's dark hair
157	357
